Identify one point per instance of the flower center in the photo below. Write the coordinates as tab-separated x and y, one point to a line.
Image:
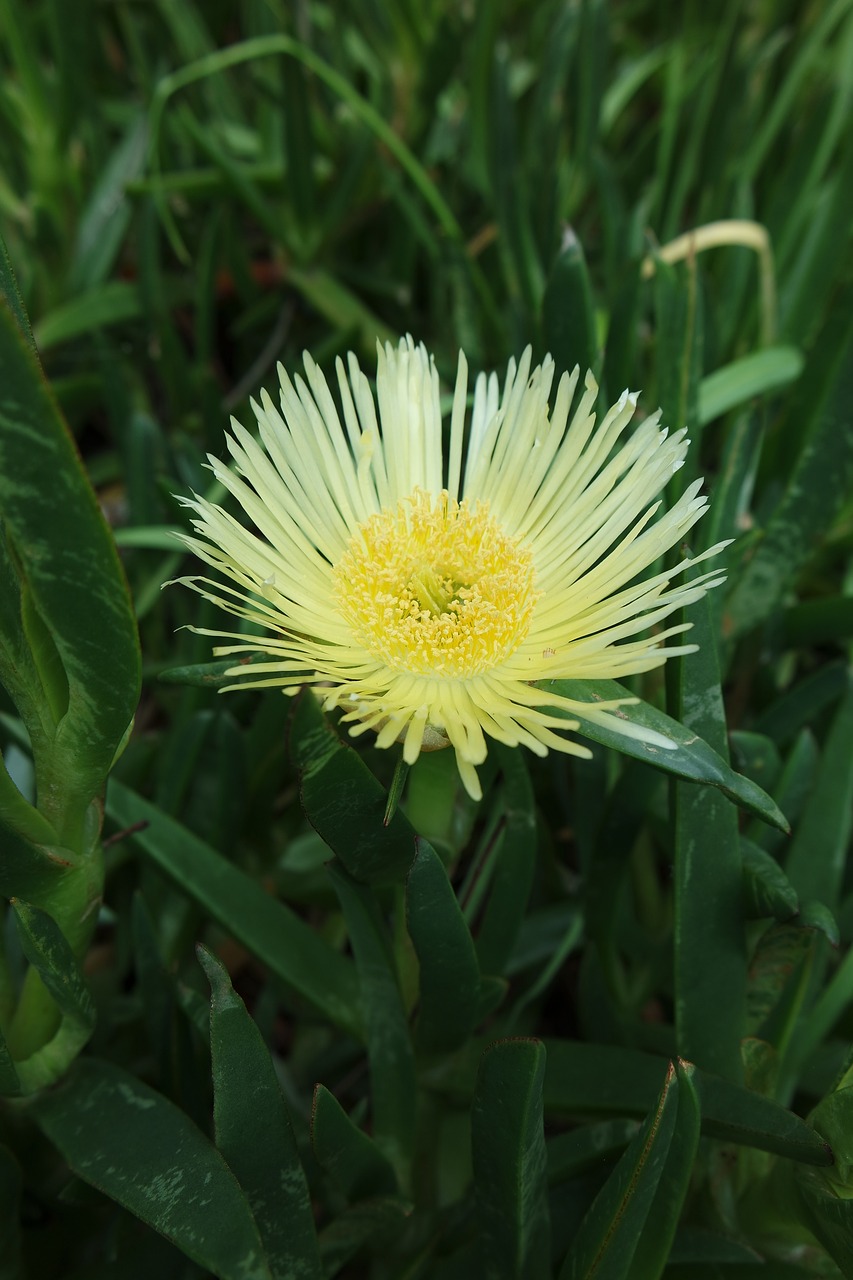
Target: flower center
435	587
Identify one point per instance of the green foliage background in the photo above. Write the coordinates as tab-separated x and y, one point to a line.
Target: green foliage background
600	1024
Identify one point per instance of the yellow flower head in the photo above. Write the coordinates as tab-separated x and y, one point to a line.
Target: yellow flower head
425	590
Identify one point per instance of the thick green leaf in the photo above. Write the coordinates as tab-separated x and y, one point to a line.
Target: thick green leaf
814	1026
11	1182
778	966
344	802
11	295
735	480
515	864
202	675
767	890
373	1223
50	955
752	375
170	1034
587	1147
23	821
521	264
449	979
604	1245
603	1080
29	868
10	1085
346	1153
389	1045
254	1133
679	317
797	708
653	1247
815	622
827	1194
732	1270
68	563
508	1151
46	949
819	486
699	1253
131	1143
568	318
757	756
293	951
690	758
709	933
791	792
816	858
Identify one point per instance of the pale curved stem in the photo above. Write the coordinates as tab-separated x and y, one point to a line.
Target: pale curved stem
715	235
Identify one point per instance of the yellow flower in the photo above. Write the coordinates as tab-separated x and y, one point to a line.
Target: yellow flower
425	590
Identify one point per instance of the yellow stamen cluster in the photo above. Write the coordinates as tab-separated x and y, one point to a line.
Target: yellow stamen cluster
434	587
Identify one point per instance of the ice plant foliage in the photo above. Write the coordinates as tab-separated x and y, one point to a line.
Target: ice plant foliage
431	592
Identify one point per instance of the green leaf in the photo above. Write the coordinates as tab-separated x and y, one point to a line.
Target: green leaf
11	1184
587	1147
604	1245
603	1080
11	295
138	1148
752	375
389	1048
104	221
45	947
798	707
28	868
115	302
691	758
206	675
817	622
680	351
10	1085
47	950
347	1154
816	491
568	317
653	1247
515	864
516	244
814	1026
293	951
629	1228
704	1249
708	929
344	802
449	981
508	1151
767	890
791	792
254	1133
735	479
373	1223
170	1037
757	756
816	858
779	976
827	1194
830	1218
340	306
69	566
